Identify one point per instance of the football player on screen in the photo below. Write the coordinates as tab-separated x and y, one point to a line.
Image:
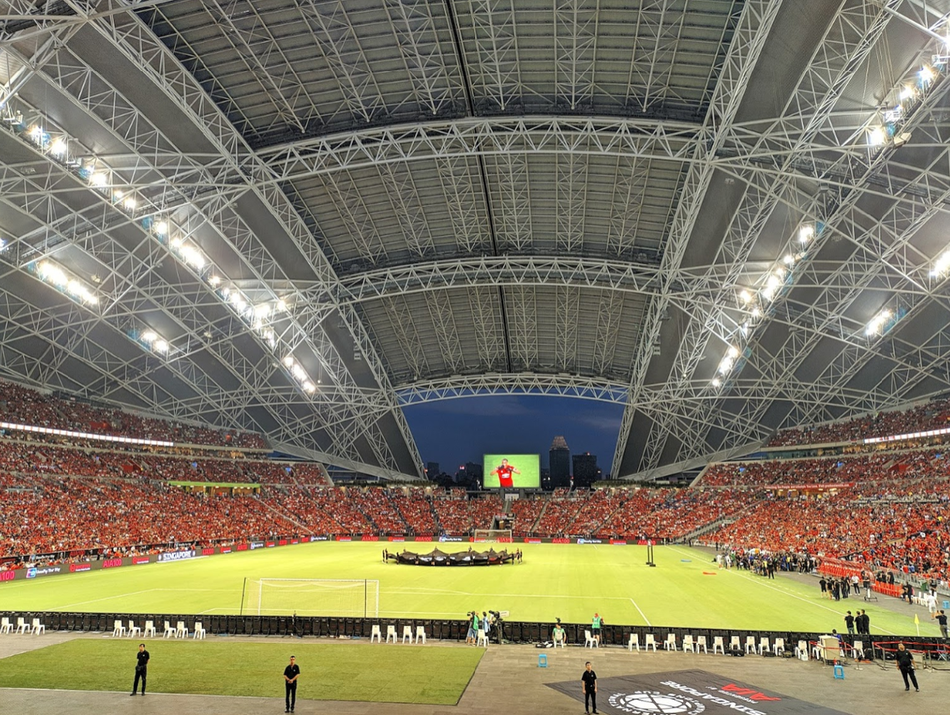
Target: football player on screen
504	472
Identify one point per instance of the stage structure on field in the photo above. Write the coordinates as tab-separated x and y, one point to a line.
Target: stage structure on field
357	598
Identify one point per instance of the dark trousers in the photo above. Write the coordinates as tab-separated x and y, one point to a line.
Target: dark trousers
139	673
290	695
590	698
913	678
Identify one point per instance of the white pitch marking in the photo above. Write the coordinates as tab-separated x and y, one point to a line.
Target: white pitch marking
642	614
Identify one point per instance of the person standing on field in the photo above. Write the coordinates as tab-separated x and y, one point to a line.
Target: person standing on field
291	673
589	679
141	669
905	662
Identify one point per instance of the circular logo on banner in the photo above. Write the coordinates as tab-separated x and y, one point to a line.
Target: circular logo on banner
651	702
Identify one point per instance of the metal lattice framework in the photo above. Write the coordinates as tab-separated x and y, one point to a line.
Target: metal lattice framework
329	213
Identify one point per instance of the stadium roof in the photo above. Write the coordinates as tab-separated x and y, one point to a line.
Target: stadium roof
299	216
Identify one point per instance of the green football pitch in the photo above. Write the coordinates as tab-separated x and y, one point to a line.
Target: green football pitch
570	582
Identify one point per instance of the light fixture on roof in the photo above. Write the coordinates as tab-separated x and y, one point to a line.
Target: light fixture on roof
925	76
64	281
716	382
806	233
745	296
877	136
880	323
151	340
300	375
58	147
942	265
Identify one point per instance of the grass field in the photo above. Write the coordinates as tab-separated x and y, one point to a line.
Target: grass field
567	581
361	672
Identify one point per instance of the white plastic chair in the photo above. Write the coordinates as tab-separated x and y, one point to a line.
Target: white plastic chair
421	633
149	629
779	647
735	644
38	627
764	645
801	650
634	642
391	634
376	633
407	634
701	643
670	642
200	631
5	625
119	629
817	652
688	644
169	631
650	642
750	645
134	629
719	645
22	626
858	650
482	638
589	640
180	630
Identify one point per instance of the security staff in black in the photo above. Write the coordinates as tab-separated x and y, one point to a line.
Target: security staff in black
141	669
905	661
291	673
589	678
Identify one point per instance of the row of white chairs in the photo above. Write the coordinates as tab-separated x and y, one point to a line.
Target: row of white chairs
699	643
391	635
179	630
22	626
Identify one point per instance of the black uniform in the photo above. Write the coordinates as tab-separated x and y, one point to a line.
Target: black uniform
290	689
905	661
141	670
590	693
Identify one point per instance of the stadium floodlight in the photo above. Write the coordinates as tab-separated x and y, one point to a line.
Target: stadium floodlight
877	136
745	296
925	76
64	281
806	233
151	340
878	323
58	147
941	265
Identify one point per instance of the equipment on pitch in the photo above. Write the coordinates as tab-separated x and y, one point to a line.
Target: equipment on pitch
357	598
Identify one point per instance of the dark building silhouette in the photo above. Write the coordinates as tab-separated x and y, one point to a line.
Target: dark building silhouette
432	470
585	470
559	462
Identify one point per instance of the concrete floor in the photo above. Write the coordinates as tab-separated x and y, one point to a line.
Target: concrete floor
509	679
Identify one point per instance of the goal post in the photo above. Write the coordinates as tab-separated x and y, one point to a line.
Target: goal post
355	598
501	536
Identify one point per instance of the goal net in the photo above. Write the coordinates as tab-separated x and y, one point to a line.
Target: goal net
502	536
358	598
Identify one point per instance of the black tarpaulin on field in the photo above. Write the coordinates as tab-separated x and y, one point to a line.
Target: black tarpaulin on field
436	557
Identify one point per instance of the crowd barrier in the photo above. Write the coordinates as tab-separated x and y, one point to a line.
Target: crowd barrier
436	629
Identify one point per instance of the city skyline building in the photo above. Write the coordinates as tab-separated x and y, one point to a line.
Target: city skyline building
559	462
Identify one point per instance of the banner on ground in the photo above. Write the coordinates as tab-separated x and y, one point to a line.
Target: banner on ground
689	692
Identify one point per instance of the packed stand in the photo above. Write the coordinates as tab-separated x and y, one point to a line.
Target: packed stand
21	405
929	416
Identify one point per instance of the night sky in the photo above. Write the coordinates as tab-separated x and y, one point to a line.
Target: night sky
452	432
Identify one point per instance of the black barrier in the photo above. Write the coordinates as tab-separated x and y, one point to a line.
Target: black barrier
447	630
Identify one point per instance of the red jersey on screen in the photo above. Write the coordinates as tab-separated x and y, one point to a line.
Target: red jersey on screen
504	475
